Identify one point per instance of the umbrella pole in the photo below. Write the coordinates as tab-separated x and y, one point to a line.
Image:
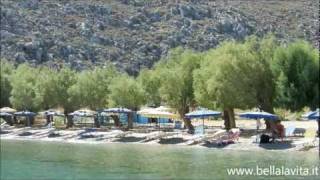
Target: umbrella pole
203	124
319	136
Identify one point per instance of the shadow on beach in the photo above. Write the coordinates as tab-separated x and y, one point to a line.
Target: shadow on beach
277	145
171	140
4	132
26	134
215	145
130	139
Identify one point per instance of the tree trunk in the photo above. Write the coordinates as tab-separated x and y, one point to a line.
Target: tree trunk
116	120
96	121
48	119
130	120
267	107
69	121
229	119
187	122
69	118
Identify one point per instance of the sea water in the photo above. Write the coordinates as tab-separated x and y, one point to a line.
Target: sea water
54	160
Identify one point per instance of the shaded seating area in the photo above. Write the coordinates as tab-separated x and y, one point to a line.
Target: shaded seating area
202	114
157	119
28	117
262	137
53	118
7	114
115	117
82	118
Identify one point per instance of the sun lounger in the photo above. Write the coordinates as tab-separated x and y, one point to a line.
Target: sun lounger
199	138
155	136
231	137
299	132
289	131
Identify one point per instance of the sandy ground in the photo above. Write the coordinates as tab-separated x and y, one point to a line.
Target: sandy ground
247	140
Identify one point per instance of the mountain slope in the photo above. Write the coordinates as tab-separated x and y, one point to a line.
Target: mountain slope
133	34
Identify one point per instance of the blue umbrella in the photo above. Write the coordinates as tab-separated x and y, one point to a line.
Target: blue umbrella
117	110
4	114
203	113
52	112
25	113
259	115
81	114
313	115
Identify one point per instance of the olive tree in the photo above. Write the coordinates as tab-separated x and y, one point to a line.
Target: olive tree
296	69
23	94
126	92
177	81
92	88
6	69
230	77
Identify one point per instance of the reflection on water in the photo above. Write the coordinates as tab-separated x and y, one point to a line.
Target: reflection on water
43	160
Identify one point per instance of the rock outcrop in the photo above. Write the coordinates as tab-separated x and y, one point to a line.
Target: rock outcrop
134	34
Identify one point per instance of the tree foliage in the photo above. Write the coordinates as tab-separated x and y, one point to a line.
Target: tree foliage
253	73
150	82
177	81
6	69
125	91
296	69
92	88
24	94
236	75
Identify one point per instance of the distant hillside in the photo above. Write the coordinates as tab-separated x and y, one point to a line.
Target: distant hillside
133	34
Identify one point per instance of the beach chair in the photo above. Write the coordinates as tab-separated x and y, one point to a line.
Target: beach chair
177	125
229	137
199	130
299	132
289	131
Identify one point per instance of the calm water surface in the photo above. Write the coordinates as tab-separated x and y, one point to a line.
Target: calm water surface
52	160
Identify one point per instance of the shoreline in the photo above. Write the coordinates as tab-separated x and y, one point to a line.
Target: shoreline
127	137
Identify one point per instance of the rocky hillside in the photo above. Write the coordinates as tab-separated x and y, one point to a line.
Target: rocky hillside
133	34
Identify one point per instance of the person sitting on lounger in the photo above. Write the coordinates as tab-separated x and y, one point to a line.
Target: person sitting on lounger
277	131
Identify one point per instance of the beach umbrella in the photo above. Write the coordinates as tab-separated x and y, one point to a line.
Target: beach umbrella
164	109
117	110
203	113
81	113
25	113
52	112
259	115
8	110
153	113
314	115
308	114
5	114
